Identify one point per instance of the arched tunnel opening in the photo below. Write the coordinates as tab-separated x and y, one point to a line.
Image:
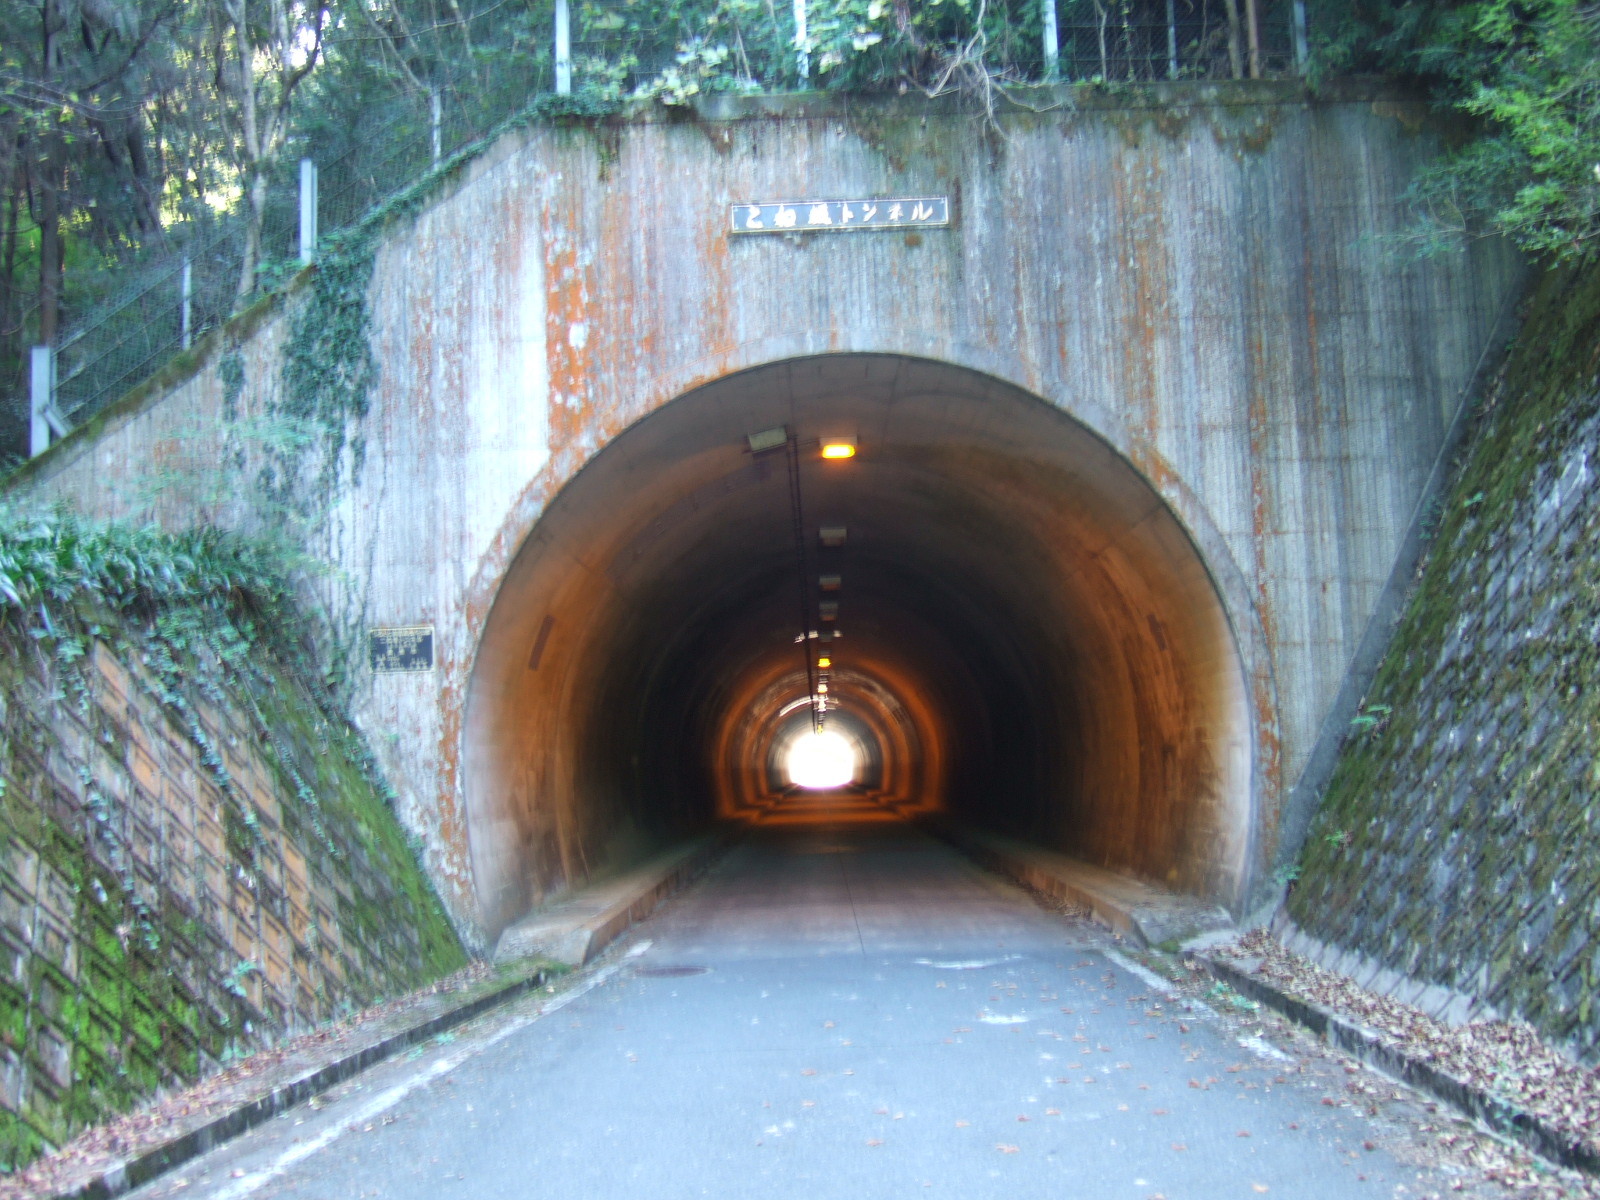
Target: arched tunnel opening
1013	629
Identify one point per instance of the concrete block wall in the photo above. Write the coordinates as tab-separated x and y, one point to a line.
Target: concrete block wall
1456	845
169	896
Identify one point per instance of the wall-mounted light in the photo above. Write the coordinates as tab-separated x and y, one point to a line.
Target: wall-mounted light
768	439
838	447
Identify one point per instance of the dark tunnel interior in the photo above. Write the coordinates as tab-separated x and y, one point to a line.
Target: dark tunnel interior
1025	637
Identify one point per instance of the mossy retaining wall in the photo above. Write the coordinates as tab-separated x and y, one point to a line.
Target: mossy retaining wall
1459	839
186	873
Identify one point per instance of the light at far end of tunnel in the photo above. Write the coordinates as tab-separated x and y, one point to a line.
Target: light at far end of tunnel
820	760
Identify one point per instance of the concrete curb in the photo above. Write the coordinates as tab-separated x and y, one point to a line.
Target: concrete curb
577	929
1145	915
1368	1047
142	1168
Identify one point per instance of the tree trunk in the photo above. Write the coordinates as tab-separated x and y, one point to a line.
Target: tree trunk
51	177
1235	51
49	245
254	215
1254	27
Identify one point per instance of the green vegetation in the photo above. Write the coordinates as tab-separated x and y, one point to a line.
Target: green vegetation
1528	74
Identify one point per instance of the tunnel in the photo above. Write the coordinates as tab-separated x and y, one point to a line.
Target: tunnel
1013	629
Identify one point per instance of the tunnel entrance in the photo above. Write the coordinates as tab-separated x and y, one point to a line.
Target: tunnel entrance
1022	636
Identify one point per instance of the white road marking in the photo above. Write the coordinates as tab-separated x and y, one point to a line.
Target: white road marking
1153	981
256	1180
1258	1045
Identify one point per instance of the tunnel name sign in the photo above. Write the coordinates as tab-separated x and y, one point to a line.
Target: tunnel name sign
400	649
840	216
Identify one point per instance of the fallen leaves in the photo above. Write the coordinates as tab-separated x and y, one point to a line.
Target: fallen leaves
1505	1058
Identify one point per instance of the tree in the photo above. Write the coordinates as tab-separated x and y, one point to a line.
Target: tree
1529	72
263	51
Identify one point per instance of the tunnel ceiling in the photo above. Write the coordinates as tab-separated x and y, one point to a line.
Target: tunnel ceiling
1026	632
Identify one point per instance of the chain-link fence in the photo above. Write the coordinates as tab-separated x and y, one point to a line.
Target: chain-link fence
168	298
151	308
1138	41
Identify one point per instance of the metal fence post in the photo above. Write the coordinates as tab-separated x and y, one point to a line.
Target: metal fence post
41	398
563	48
802	34
186	310
1052	40
308	211
1172	39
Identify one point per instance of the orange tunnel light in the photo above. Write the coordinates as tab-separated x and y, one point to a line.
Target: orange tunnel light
838	447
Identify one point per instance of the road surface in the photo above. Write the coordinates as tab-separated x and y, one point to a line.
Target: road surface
844	1014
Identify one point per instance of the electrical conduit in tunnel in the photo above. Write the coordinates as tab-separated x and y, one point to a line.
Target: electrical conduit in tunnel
1028	639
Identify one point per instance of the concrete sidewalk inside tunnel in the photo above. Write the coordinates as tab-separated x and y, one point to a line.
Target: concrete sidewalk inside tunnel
1027	638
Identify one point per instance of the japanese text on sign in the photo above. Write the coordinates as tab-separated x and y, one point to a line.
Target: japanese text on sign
407	648
838	216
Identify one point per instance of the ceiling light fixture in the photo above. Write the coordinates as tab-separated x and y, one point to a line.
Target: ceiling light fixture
838	447
768	439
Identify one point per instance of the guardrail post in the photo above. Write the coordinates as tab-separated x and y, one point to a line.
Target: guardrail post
308	211
563	48
41	398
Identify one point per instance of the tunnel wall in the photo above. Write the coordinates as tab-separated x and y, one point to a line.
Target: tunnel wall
1456	843
1195	275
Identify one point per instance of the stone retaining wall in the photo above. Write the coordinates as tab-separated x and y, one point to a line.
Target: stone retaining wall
180	883
1457	841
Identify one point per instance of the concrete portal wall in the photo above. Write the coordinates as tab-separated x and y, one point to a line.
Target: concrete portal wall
1197	277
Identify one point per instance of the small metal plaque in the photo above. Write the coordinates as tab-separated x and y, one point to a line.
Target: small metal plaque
404	648
839	216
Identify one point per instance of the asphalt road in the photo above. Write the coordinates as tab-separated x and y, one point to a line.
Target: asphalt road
838	1014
